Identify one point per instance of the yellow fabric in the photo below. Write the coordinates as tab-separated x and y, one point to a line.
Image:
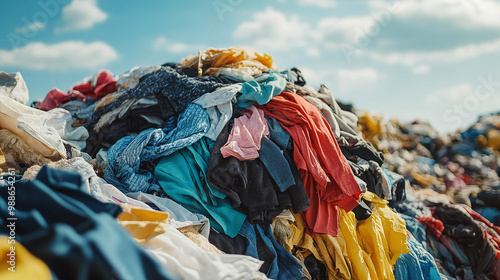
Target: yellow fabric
3	163
362	250
423	179
383	236
143	224
361	265
27	266
493	137
324	247
370	126
246	59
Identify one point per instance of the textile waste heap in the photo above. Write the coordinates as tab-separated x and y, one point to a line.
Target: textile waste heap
224	167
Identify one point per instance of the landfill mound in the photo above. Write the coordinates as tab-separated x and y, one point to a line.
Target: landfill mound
222	166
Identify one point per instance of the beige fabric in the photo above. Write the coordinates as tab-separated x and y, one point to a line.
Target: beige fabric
199	239
15	151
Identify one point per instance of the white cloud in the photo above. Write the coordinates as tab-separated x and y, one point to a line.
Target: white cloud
345	80
454	93
313	52
421	69
315	77
349	79
80	15
60	56
35	26
469	14
163	44
271	30
318	3
412	58
407	32
334	31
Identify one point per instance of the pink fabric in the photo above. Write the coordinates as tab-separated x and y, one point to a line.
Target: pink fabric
244	141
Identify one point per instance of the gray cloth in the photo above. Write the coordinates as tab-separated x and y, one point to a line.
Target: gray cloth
219	106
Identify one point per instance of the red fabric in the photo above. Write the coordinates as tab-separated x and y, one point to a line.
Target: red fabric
57	97
85	89
104	85
432	225
327	177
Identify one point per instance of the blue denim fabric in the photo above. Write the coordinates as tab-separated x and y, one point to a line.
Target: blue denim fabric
173	89
261	90
271	155
416	265
125	156
76	235
261	244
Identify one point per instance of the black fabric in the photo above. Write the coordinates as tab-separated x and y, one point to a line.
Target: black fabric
371	175
249	186
490	197
462	228
300	78
362	150
316	269
363	211
132	123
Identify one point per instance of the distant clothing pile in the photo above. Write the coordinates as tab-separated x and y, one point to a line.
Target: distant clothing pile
222	166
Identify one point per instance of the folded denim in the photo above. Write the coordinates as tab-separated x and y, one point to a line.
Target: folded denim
125	157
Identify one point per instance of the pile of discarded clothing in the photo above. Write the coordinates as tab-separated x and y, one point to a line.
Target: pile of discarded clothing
454	199
224	167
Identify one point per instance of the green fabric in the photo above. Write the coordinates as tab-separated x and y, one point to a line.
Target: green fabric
183	177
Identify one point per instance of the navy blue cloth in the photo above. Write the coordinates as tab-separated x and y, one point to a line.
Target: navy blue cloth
173	88
125	157
76	235
258	241
271	155
174	91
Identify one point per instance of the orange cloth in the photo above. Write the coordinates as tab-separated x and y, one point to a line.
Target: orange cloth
327	176
246	59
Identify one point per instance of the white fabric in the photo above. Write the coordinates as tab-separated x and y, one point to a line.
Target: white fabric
235	73
13	85
219	108
31	126
61	120
131	78
185	260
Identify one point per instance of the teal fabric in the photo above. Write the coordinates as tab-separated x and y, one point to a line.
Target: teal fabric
262	89
183	177
418	264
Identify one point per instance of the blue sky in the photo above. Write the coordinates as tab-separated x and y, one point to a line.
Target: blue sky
433	60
